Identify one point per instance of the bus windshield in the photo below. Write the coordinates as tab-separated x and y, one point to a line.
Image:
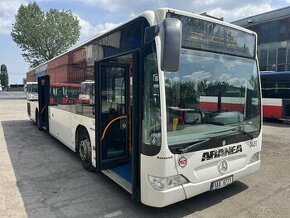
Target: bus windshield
212	95
275	85
87	88
32	88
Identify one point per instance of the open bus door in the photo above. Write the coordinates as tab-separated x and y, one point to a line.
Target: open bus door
43	102
112	122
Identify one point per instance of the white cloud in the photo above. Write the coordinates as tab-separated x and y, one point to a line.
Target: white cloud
128	6
89	30
239	13
8	10
109	5
230	10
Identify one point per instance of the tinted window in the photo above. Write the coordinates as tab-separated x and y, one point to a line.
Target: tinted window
271	67
123	40
151	120
272	57
210	36
281	68
263	58
276	86
208	93
281	55
273	31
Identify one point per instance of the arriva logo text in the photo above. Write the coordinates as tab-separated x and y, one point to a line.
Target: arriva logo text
221	152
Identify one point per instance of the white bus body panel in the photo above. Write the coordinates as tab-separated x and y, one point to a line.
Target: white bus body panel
162	165
272	102
198	170
33	108
193	189
199	174
63	125
32	96
60	125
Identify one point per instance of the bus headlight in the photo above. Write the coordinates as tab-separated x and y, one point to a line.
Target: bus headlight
255	157
164	183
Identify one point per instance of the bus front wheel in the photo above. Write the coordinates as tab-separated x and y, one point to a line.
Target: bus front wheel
85	150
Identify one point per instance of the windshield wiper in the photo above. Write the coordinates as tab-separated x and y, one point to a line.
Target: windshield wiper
226	130
238	129
192	146
233	130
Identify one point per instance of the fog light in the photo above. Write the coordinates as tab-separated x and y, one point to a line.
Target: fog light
255	157
164	183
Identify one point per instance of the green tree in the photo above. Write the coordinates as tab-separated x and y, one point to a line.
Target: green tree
4	76
44	35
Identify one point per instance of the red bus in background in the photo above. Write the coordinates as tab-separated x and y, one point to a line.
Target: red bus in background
64	93
276	95
210	103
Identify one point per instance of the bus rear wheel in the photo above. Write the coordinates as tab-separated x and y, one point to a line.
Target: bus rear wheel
85	150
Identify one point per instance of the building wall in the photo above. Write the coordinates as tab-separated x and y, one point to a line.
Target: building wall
273	30
16	87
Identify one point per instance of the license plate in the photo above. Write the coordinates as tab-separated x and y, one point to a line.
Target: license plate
221	183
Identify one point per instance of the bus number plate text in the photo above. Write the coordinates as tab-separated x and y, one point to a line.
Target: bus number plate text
221	183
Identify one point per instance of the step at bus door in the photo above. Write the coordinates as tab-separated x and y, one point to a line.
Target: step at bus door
43	102
112	108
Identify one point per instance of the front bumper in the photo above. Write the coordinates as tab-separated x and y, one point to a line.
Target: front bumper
193	189
156	198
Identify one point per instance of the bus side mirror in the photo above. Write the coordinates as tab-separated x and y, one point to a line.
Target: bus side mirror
170	32
170	35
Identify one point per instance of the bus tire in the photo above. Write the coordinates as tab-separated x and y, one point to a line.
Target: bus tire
37	120
84	149
36	117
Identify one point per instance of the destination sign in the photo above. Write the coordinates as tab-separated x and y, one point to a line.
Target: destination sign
211	36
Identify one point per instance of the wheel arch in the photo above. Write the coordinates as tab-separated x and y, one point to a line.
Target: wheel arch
36	112
90	166
36	115
77	135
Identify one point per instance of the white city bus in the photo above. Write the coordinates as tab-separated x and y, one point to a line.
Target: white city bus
32	91
32	100
146	129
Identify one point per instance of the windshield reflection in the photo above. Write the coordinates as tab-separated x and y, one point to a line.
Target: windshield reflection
211	94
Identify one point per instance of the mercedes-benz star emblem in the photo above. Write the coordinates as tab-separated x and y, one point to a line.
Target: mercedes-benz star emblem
223	166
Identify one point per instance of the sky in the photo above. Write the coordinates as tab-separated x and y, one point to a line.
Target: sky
99	15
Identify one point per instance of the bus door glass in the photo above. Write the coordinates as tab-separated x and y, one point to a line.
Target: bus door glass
113	129
43	93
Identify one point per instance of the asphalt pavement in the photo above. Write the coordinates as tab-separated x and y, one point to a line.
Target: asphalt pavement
12	95
40	177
